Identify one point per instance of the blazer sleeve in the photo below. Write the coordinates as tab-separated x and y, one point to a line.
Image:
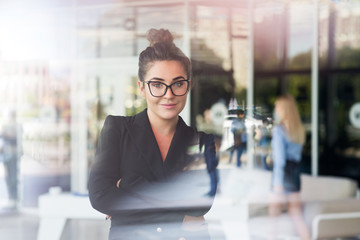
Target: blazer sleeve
104	195
106	169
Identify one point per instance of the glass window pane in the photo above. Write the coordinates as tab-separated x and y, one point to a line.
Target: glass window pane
340	134
339	35
167	17
211	41
300	34
105	32
269	38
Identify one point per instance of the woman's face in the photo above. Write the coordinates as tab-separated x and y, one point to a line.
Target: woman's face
168	106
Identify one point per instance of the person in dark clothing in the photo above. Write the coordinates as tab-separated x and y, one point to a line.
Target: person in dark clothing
240	137
142	176
211	160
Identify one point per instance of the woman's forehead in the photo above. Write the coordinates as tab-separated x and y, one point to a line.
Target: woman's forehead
166	68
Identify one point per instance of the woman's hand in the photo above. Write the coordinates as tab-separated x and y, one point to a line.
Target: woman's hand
118	183
192	224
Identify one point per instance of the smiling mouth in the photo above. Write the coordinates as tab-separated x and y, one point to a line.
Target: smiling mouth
168	106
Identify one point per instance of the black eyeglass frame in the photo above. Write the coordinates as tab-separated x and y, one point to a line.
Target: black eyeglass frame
169	86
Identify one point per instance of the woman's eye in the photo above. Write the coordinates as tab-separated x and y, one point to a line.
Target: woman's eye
156	85
179	84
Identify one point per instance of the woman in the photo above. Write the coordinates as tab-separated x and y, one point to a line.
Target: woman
287	144
136	176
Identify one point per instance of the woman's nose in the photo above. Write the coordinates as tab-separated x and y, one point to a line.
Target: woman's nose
168	93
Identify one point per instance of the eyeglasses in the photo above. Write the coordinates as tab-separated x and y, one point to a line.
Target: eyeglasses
158	89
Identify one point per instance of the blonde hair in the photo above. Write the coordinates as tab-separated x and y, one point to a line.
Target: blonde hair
290	118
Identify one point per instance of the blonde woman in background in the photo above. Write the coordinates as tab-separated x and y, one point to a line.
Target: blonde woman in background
287	145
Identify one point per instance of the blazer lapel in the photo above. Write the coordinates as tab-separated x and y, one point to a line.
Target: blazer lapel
184	138
177	157
143	136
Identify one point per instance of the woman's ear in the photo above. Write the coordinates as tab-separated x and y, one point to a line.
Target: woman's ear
142	88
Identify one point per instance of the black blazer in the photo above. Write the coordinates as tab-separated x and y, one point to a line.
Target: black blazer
150	189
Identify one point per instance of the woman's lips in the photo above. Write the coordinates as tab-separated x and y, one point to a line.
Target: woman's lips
169	106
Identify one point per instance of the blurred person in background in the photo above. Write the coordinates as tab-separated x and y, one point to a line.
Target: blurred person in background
263	137
240	137
9	155
212	161
204	123
287	143
136	178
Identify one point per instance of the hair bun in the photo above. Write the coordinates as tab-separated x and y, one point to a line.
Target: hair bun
156	36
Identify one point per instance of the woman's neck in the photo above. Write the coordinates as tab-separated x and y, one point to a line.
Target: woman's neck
164	131
163	127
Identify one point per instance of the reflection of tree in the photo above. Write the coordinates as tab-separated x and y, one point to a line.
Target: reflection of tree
301	61
347	57
270	62
95	119
135	103
265	92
